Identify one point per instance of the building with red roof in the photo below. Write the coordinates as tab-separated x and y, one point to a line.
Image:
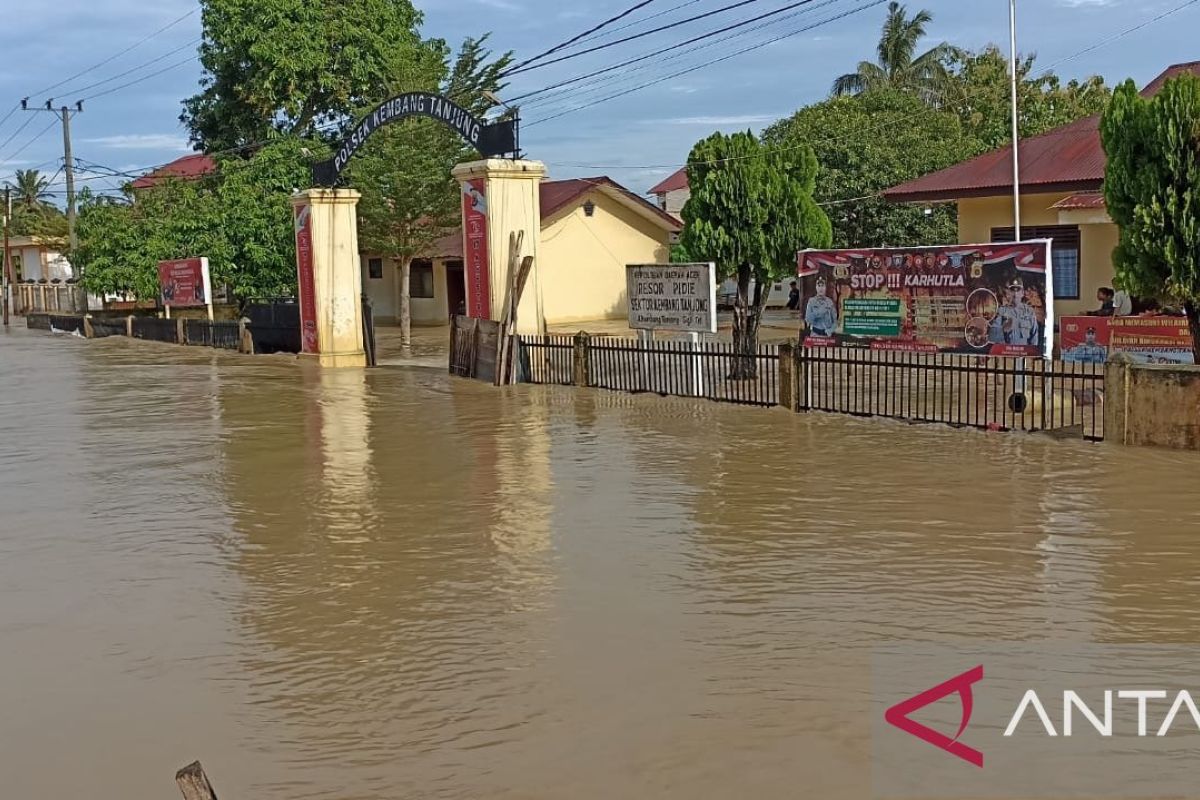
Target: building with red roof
1062	178
592	228
673	193
187	168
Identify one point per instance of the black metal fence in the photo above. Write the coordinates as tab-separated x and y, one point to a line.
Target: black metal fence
37	322
966	391
222	334
102	327
710	370
66	324
156	330
275	326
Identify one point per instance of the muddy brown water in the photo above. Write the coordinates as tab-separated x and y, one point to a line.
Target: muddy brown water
398	585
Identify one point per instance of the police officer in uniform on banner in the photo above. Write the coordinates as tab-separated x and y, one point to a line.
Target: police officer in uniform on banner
1020	322
821	312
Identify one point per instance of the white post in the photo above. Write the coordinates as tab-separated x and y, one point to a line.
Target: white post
1016	145
697	364
645	339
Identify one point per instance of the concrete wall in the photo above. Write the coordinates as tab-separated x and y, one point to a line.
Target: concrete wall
977	217
673	202
1152	405
584	258
385	294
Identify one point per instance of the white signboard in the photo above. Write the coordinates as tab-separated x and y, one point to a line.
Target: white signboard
672	297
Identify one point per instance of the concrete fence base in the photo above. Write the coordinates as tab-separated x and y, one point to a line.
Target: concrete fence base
1151	405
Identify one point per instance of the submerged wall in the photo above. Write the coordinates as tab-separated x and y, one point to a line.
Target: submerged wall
1152	405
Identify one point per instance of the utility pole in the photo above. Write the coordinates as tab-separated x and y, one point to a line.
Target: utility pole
69	173
8	270
1016	141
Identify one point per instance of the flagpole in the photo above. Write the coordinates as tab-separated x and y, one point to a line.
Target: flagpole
1016	144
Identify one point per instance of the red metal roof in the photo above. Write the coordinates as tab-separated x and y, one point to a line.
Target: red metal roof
192	166
556	195
674	182
1081	202
1067	159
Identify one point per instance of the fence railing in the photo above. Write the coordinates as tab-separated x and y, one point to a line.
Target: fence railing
965	391
111	326
156	330
960	390
710	370
43	298
66	324
222	334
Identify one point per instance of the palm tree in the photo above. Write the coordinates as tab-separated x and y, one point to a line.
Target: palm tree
925	75
32	189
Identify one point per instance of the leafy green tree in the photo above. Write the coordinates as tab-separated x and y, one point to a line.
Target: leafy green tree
409	197
31	188
1152	188
899	67
866	144
287	65
240	218
981	94
751	209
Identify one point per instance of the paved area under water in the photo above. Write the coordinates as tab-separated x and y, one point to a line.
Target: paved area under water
398	585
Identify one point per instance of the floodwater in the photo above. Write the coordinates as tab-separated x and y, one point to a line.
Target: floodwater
398	585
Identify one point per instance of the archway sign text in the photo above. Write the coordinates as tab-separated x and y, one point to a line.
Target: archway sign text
492	139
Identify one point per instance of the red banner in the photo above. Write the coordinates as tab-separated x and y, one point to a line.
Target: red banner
184	282
475	246
1147	340
991	299
305	284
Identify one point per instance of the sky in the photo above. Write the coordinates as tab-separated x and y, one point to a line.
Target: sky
637	138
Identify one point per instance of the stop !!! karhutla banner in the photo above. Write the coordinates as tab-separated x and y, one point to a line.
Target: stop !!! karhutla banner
990	299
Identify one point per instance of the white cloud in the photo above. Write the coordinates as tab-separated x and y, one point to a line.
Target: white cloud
142	141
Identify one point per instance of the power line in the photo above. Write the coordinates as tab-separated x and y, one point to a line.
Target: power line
694	40
631	38
16	133
643	20
43	132
736	53
146	77
132	70
1121	35
114	57
583	35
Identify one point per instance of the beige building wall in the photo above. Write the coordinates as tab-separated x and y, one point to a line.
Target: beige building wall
584	258
977	216
384	294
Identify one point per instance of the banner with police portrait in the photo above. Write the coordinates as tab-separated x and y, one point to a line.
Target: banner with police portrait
989	299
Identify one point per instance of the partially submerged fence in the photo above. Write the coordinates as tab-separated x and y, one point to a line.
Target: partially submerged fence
959	390
709	370
224	335
964	391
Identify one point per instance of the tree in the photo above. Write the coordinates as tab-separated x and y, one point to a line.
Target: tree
1152	189
981	95
751	209
409	197
899	68
282	66
866	144
239	217
32	188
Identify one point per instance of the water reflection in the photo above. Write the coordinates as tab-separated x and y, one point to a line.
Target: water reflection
393	584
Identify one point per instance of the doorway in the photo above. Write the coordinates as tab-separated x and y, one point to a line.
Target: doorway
456	288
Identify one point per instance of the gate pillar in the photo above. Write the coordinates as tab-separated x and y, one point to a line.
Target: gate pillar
500	197
329	277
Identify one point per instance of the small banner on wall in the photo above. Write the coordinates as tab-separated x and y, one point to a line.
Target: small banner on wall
305	283
992	299
475	249
1147	340
184	283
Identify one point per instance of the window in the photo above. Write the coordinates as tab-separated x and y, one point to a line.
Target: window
1064	253
375	269
420	278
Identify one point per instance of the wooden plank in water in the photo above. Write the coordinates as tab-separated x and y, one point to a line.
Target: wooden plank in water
193	783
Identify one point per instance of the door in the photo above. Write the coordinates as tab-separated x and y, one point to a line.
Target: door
456	288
